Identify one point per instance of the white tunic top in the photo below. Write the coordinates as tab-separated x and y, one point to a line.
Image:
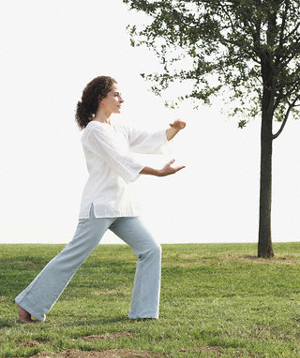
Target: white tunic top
111	167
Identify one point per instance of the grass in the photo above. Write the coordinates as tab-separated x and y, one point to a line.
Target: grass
217	300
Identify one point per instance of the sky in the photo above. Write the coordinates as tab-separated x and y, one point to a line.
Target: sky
49	51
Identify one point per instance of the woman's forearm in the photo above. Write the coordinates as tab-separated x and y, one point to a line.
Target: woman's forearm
166	170
171	133
150	171
175	128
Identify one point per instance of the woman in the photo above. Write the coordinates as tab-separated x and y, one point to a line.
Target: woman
106	204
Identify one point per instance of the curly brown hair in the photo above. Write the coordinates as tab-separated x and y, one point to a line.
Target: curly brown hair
92	94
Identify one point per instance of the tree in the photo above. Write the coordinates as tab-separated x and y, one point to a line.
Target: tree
251	48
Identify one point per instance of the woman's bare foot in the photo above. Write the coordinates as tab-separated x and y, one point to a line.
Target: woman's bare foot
24	316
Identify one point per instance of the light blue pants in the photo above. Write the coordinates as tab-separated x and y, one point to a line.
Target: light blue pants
39	297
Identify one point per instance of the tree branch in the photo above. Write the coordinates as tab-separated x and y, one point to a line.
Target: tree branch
282	28
291	106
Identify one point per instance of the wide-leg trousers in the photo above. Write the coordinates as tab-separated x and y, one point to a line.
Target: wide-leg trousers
40	296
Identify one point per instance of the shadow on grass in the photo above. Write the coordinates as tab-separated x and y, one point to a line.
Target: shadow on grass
101	321
7	323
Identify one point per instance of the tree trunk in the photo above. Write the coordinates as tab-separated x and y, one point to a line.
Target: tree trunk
265	248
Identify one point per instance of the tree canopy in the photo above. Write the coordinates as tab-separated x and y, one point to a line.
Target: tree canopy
227	45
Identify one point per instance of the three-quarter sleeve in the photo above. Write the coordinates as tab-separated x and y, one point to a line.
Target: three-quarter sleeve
148	142
113	152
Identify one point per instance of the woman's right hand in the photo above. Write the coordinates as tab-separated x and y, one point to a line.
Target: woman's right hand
166	170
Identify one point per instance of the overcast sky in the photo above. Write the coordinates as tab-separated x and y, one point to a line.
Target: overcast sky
49	51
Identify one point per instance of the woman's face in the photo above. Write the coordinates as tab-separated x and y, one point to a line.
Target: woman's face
113	101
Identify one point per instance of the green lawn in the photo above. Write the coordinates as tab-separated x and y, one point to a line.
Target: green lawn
217	300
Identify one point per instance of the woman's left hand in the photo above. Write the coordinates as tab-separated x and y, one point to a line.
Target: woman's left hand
175	127
178	124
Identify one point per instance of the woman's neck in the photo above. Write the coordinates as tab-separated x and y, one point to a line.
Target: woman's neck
102	116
